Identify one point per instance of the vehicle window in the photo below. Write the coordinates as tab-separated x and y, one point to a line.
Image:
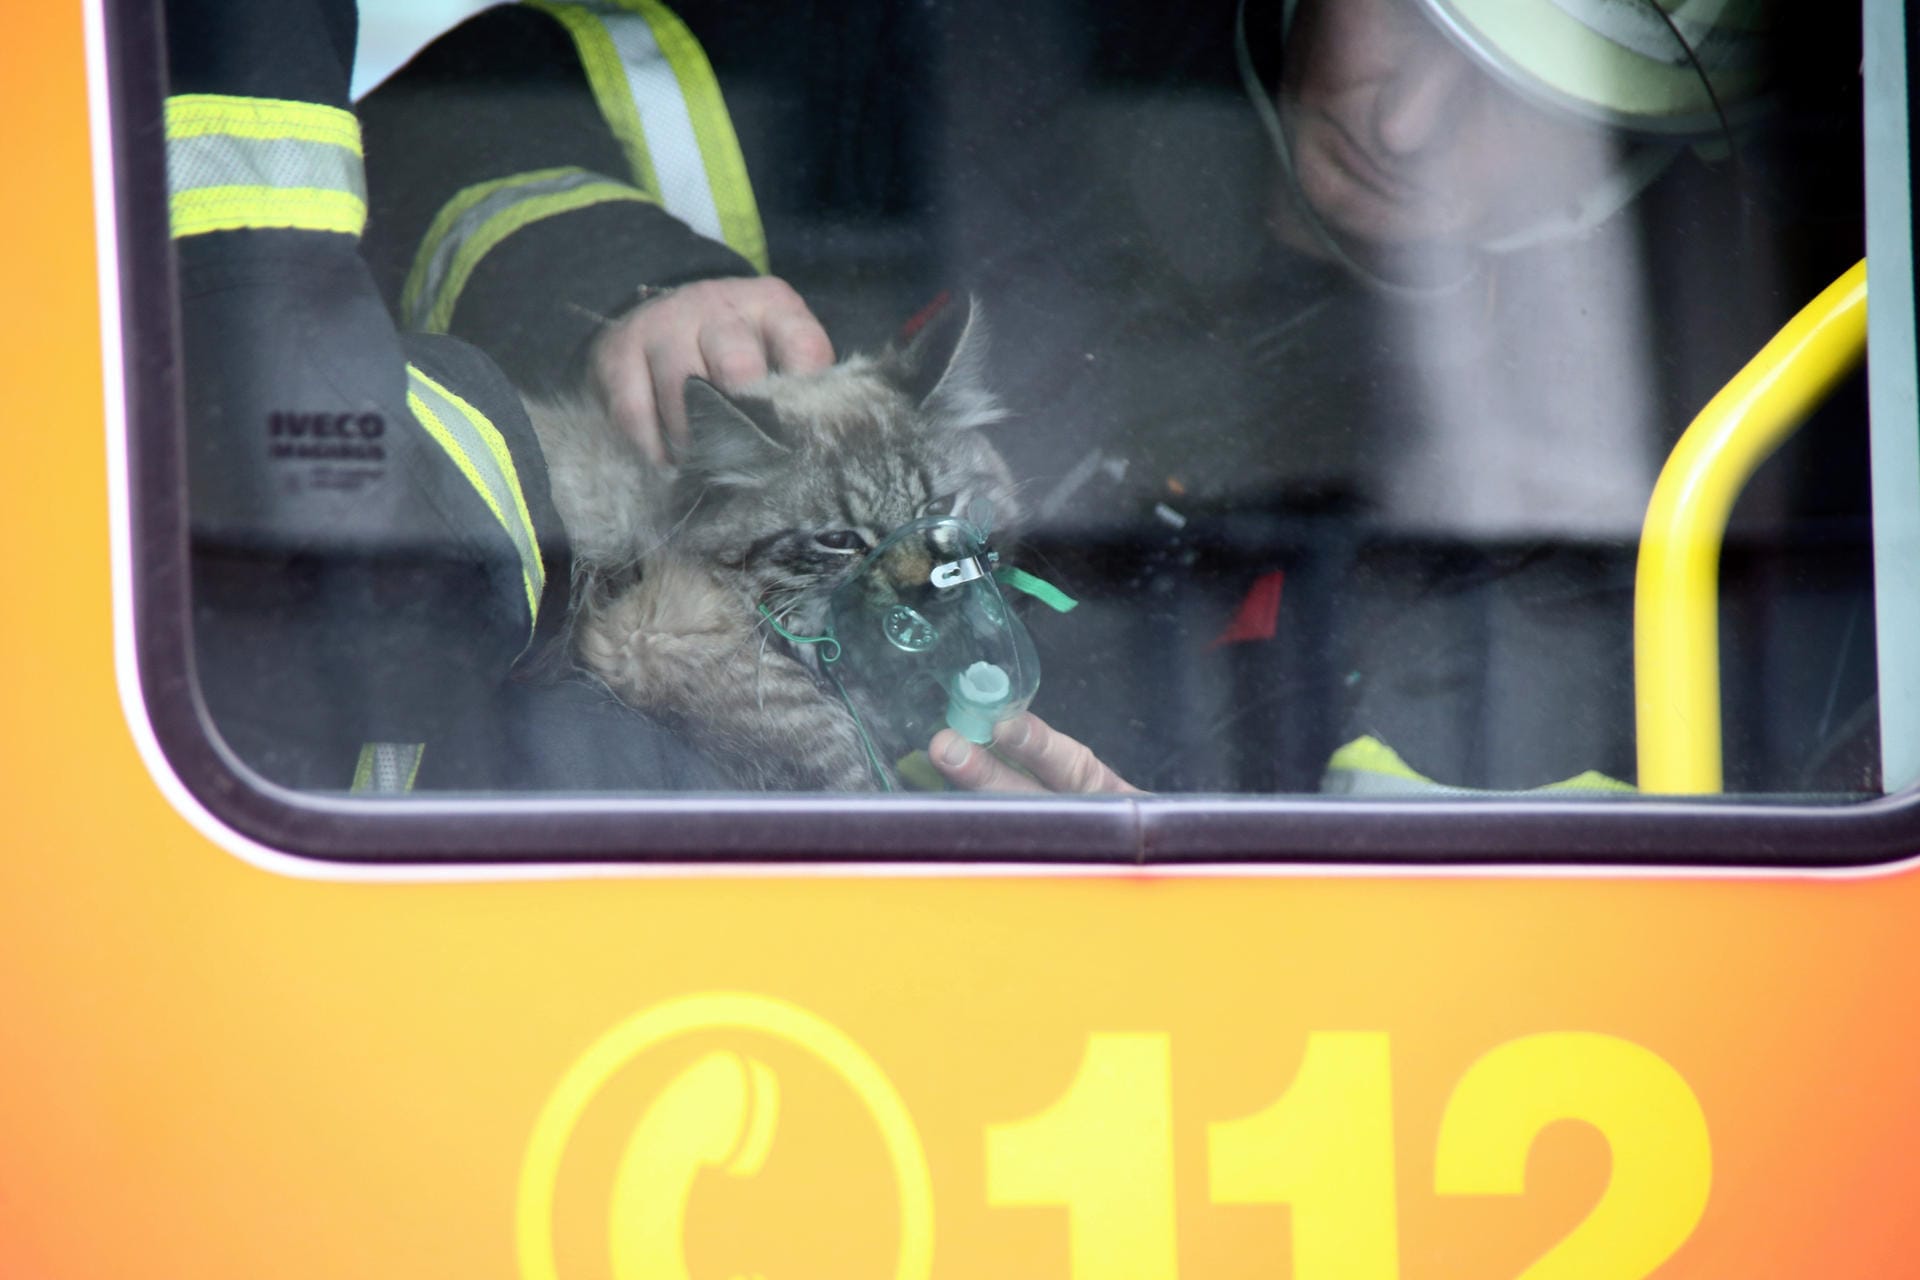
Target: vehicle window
1397	400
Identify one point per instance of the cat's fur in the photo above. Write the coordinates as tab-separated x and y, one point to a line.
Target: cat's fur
672	564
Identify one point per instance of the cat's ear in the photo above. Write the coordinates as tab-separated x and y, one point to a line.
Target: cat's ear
944	368
735	440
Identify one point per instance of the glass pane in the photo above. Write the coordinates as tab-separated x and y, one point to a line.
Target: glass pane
1326	353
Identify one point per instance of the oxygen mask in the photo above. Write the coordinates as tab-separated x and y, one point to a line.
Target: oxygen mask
921	636
925	637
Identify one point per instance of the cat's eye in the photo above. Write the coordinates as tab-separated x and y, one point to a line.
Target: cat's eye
843	541
947	504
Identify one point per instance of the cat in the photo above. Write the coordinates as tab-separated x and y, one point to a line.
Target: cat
783	489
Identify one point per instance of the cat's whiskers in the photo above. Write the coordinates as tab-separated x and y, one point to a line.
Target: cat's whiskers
776	615
677	525
759	666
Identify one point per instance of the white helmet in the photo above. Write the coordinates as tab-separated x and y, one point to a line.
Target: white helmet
1675	69
1672	73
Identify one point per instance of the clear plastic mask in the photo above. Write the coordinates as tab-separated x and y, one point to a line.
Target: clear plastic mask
926	638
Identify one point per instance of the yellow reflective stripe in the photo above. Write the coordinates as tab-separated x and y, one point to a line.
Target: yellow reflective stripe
1372	756
1591	780
477	219
1368	766
193	115
713	130
251	163
205	209
388	768
607	76
477	448
672	122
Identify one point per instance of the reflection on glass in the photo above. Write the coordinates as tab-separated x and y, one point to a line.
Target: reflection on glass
1332	348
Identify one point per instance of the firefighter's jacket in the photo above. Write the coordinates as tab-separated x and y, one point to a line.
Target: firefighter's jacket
376	561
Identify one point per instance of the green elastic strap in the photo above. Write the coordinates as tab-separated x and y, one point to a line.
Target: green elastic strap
832	655
827	657
873	756
1039	588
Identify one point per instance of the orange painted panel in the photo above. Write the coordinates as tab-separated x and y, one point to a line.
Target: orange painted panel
210	1070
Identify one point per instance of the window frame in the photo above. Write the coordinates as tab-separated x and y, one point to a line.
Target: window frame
1168	830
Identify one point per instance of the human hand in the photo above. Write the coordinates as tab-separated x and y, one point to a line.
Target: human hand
1058	763
731	332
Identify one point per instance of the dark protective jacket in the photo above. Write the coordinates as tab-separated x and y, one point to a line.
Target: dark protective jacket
375	558
532	169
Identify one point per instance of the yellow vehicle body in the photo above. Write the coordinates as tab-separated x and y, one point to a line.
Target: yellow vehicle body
220	1062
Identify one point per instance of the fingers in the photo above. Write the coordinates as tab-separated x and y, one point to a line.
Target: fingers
1056	762
795	339
671	358
1060	763
973	768
790	339
732	332
627	389
734	352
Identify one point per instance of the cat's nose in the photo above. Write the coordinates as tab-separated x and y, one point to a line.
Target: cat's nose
908	564
944	539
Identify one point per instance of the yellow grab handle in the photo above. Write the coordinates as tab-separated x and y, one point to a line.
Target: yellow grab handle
1676	625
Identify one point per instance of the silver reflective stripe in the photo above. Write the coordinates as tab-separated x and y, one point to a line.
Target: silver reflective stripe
658	94
476	447
475	227
387	768
222	160
677	163
237	164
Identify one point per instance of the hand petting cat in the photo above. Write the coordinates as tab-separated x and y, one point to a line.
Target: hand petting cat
1052	761
731	332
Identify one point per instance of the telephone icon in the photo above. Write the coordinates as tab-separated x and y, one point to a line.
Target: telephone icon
718	1113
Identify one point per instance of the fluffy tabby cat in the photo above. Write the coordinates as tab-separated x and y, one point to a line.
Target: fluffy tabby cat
783	490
